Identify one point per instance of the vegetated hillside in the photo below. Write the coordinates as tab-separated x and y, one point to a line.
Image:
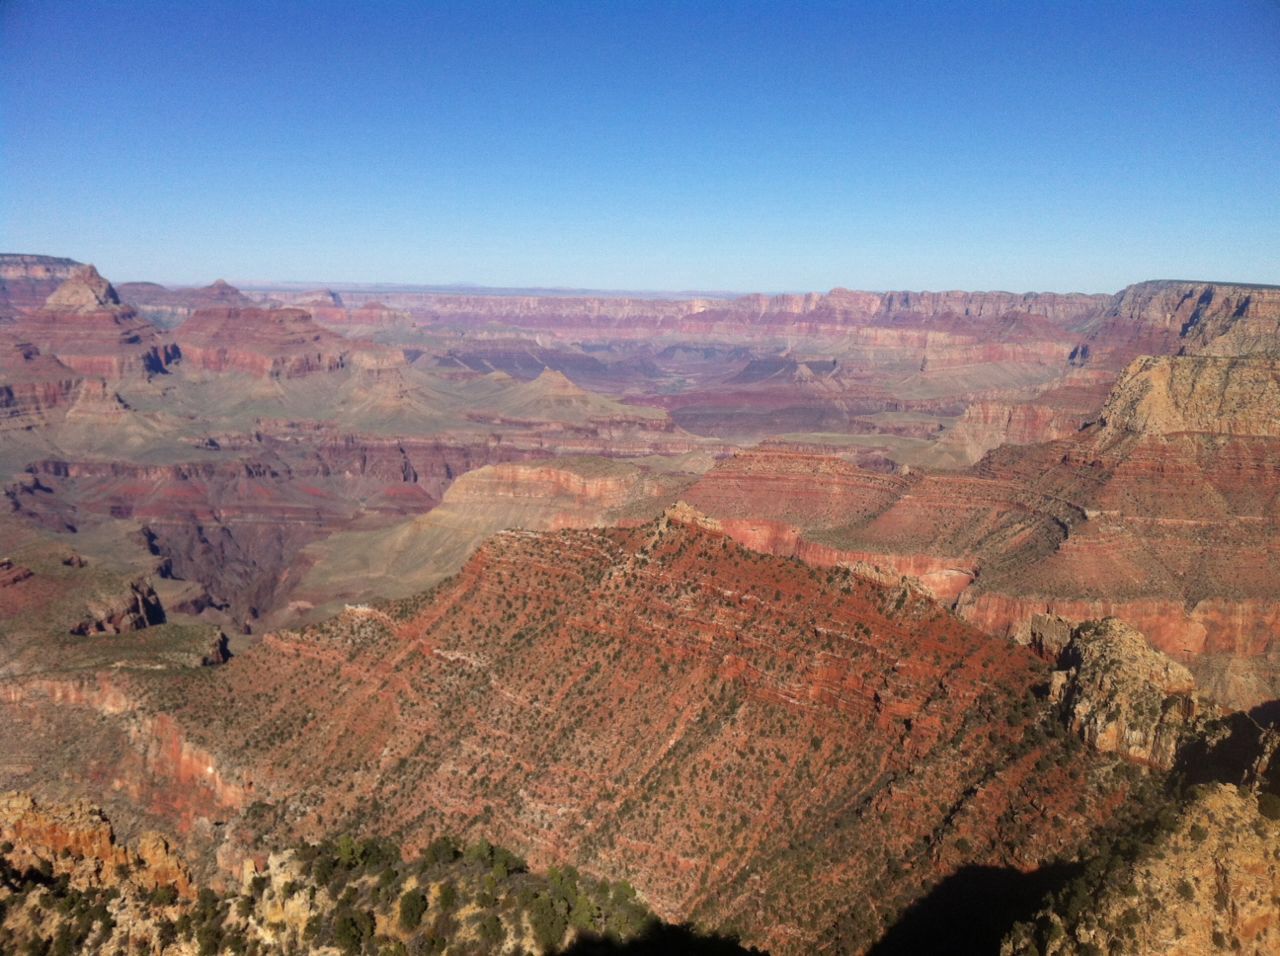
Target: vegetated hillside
68	886
791	754
549	494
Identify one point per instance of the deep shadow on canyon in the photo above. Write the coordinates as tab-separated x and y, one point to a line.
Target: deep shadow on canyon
969	912
660	938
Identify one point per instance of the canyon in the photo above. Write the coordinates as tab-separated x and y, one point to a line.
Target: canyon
783	608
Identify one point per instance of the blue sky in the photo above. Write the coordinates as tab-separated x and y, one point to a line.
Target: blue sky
744	146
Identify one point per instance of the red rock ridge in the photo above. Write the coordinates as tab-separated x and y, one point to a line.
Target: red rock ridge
1173	533
86	327
171	307
274	343
26	280
659	703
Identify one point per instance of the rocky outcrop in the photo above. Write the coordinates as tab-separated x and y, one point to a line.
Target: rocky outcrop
26	280
268	343
79	838
219	650
83	291
86	327
11	574
1120	695
1206	394
138	607
1210	884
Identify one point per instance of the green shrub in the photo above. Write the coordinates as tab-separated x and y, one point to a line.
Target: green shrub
165	895
413	906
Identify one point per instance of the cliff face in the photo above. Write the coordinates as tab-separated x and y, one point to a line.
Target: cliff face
1205	394
77	838
840	307
275	343
1061	308
1163	317
1122	696
1209	884
26	281
35	388
136	607
86	327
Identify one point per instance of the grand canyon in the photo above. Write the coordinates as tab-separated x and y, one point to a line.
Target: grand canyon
489	478
388	618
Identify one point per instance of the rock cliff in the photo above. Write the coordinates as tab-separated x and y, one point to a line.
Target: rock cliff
86	327
1206	394
26	281
1166	317
1122	696
77	837
1209	884
274	343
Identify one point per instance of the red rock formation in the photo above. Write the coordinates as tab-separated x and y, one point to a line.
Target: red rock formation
1163	516
137	607
237	523
85	326
80	834
26	281
1056	412
34	388
276	343
839	309
1220	395
11	574
1162	317
140	757
1121	696
660	704
168	308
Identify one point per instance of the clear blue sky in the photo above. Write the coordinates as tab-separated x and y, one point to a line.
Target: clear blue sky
744	146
